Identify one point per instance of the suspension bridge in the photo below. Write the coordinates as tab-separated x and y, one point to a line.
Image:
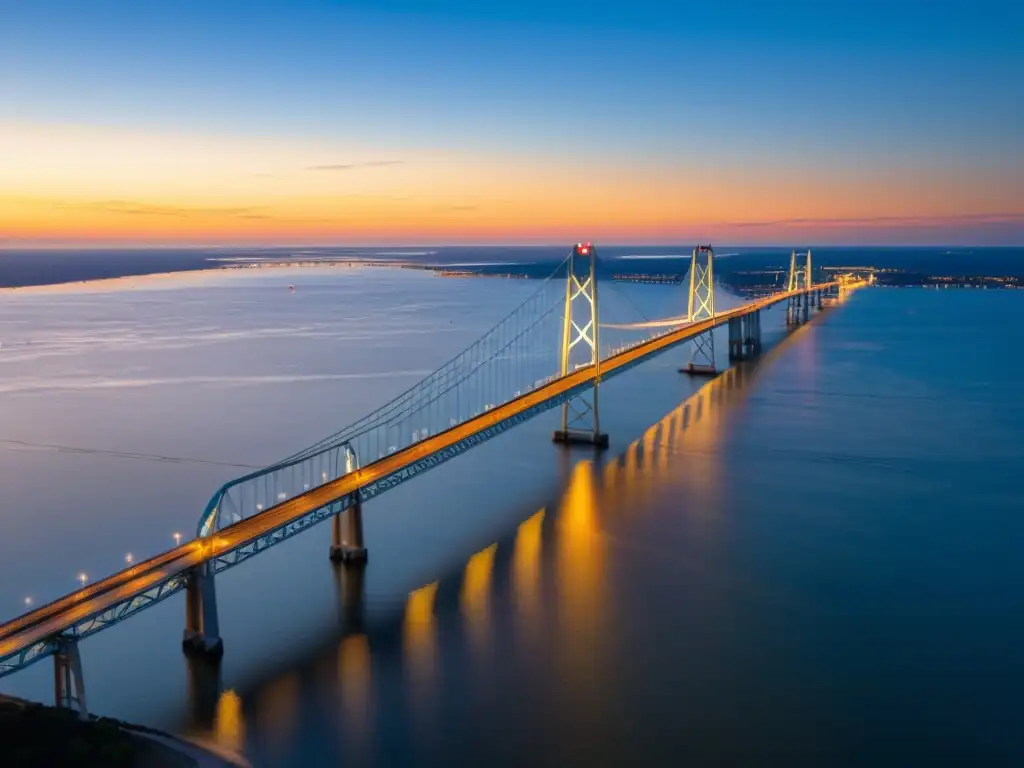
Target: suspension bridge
511	374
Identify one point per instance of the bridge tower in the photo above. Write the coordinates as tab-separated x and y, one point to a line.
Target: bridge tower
347	545
701	306
799	279
581	421
69	682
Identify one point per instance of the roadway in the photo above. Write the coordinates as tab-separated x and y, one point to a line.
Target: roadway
101	596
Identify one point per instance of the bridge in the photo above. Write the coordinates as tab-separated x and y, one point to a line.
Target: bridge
688	434
501	380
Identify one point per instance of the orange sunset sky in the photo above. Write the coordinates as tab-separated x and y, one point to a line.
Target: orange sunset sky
148	130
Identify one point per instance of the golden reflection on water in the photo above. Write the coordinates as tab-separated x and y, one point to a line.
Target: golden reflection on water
526	567
276	708
476	595
419	635
581	550
354	681
419	643
229	722
682	453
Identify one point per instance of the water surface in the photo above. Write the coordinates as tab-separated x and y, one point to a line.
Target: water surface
810	561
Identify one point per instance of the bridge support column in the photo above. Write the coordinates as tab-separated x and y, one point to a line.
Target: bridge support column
736	334
752	334
202	628
581	421
347	544
204	690
69	682
351	587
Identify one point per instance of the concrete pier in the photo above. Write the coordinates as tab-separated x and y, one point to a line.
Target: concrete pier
579	437
69	682
202	628
347	544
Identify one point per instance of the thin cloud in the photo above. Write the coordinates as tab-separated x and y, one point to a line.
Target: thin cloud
867	221
353	166
131	208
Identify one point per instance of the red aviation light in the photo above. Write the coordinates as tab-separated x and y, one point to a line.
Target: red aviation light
583	249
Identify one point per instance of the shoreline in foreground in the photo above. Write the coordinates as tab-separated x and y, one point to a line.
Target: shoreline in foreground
49	736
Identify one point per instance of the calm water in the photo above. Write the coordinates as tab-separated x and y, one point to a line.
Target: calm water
813	560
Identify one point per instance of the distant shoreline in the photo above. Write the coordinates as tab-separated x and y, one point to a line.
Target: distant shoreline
146	280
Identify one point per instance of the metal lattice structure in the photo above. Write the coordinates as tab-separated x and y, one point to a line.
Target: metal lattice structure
799	275
581	421
799	279
701	306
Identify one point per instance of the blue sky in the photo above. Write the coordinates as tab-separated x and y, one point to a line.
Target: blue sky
837	91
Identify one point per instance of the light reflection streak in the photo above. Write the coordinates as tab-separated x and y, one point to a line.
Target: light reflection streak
476	586
354	682
229	722
419	642
419	635
526	565
694	428
581	549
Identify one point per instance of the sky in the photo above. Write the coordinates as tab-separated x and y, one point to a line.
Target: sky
511	121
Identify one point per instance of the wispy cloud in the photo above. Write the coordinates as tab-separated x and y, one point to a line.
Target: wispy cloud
353	166
132	208
905	221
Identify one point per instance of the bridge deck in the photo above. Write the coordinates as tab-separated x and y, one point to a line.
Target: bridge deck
91	601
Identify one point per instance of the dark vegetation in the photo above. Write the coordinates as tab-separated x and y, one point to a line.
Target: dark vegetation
34	736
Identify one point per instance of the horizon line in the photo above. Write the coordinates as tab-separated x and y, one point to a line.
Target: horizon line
276	246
